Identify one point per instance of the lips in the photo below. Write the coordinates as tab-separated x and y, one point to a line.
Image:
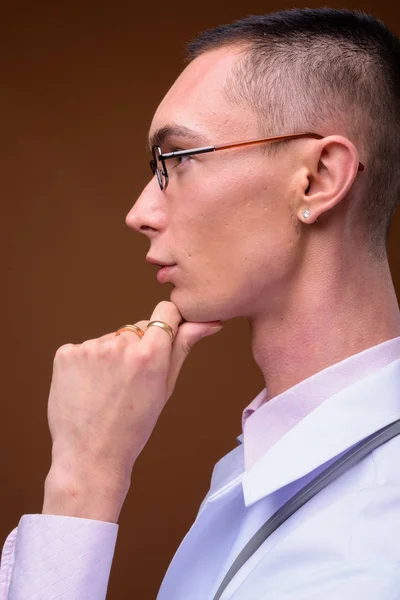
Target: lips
164	273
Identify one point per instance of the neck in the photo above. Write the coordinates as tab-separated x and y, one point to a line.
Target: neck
339	313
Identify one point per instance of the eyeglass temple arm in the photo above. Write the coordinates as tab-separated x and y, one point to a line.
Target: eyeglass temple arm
205	149
280	138
217	147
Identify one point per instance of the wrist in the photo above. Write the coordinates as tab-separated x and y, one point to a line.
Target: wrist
91	497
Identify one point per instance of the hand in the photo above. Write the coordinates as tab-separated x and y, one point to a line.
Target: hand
105	398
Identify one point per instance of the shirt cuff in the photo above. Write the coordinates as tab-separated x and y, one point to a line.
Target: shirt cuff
51	557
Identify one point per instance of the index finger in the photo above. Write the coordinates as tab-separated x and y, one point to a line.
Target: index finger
167	313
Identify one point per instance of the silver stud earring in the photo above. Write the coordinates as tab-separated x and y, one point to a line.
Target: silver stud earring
306	213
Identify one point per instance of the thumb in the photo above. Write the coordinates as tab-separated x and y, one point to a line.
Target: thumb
187	336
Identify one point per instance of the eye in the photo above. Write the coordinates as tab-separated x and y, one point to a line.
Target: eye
183	159
180	160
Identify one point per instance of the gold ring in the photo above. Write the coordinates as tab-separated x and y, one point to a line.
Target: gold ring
164	326
134	328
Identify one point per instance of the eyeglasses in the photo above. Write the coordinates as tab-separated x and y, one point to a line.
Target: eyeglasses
158	166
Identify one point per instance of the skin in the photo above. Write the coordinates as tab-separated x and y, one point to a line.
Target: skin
232	223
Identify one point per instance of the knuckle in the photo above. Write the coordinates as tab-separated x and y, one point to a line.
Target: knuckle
146	357
64	351
89	347
108	350
100	350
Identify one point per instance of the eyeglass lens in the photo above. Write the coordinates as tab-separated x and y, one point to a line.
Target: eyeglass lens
158	167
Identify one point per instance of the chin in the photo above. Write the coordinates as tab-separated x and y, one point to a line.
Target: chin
201	310
192	309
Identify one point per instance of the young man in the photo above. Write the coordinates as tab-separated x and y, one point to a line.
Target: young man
293	235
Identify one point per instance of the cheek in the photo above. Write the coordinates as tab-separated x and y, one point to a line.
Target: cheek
234	276
235	222
201	220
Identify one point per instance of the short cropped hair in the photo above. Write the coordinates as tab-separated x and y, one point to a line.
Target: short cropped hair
307	69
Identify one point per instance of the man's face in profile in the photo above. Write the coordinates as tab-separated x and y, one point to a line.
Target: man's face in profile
225	219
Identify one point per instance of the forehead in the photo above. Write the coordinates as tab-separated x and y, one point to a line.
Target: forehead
197	100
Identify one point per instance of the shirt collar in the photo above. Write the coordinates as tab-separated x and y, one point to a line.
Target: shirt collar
266	422
337	424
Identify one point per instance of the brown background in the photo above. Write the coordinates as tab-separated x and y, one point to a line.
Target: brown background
79	81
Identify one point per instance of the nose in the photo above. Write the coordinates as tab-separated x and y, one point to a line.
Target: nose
148	214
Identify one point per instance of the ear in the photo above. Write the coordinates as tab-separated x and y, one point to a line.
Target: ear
332	166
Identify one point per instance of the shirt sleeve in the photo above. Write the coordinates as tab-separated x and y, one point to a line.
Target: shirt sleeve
51	557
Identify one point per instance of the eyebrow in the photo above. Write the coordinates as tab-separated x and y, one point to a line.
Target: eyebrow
174	130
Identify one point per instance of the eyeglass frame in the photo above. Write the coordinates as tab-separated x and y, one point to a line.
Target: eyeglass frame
158	155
